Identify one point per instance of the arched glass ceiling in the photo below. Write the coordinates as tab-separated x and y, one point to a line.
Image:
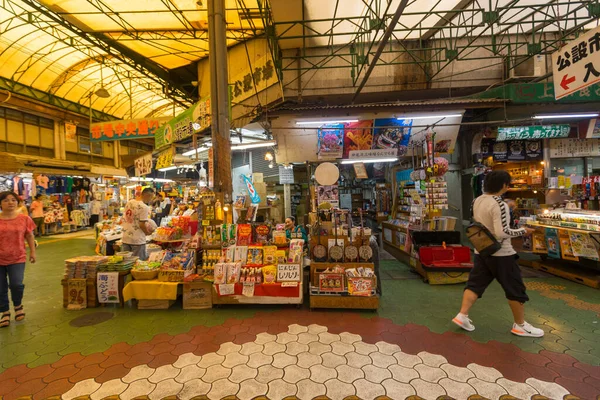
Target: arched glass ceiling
67	48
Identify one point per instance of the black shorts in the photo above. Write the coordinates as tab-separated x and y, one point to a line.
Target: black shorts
505	270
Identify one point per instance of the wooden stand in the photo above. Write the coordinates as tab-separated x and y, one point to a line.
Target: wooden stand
341	300
586	277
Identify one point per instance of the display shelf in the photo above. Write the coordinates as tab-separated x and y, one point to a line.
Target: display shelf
330	299
267	294
345	302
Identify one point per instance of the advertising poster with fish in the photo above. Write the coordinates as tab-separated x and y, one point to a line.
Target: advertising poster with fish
330	141
392	133
358	136
583	246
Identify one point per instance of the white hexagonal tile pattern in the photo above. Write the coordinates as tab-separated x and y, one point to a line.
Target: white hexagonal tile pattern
222	388
251	348
433	360
455	373
403	374
308	389
192	389
137	373
550	390
485	373
397	390
282	360
338	390
163	373
332	360
279	389
189	373
240	373
259	359
296	329
309	362
430	374
457	390
321	374
294	374
227	348
375	374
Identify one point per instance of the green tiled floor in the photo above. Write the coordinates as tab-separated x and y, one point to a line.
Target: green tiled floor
46	334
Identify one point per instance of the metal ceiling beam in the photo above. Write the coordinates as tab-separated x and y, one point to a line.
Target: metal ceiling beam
382	43
150	69
447	18
52	100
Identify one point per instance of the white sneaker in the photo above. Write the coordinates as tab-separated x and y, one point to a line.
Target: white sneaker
464	322
526	330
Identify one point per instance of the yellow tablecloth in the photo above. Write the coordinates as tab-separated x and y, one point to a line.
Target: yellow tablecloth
150	290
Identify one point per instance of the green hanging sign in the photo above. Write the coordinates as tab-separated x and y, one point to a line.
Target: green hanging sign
533	132
194	119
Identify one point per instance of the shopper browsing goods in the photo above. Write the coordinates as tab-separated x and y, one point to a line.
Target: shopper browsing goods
491	211
15	229
137	224
37	213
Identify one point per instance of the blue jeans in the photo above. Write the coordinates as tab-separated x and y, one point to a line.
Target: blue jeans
11	276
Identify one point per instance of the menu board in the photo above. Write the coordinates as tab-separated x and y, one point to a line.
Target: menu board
574	148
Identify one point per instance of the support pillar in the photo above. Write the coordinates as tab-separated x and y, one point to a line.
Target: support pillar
219	96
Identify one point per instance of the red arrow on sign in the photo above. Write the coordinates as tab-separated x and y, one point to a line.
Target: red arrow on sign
566	81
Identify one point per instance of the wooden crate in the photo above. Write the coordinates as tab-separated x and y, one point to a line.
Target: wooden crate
584	276
154	304
316	268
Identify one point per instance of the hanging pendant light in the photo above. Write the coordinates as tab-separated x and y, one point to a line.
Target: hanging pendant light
102	92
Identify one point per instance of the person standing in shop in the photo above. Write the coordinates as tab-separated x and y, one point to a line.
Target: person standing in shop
95	210
491	211
294	232
15	230
37	214
137	224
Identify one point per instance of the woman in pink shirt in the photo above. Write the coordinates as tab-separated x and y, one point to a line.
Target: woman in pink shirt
37	214
15	229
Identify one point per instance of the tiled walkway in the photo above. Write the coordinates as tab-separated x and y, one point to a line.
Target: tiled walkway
409	348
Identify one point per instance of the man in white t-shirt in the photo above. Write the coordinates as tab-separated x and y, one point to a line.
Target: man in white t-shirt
135	224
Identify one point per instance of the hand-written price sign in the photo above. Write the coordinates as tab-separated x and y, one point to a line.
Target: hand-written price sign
143	165
165	158
288	273
577	65
108	287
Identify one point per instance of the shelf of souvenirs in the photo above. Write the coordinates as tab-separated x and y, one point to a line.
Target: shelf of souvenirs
572	218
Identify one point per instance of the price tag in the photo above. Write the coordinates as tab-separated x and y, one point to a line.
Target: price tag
248	289
289	284
227	289
205	222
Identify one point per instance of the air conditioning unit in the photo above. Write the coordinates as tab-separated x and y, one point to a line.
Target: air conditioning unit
525	67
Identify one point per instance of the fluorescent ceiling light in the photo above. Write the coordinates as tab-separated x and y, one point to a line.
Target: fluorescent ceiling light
253	145
171	168
142	179
562	116
431	116
193	152
337	121
369	160
163	180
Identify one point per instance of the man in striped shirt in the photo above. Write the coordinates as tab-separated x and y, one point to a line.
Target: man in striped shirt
491	211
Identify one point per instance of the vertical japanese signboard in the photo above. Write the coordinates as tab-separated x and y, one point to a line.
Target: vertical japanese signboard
211	168
108	287
143	165
577	64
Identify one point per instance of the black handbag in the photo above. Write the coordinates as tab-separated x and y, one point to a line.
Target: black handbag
482	239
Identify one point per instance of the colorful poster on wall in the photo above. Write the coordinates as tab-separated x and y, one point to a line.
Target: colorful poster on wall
328	194
143	165
194	119
330	141
71	132
516	150
126	129
534	150
553	243
500	152
392	133
358	136
583	246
